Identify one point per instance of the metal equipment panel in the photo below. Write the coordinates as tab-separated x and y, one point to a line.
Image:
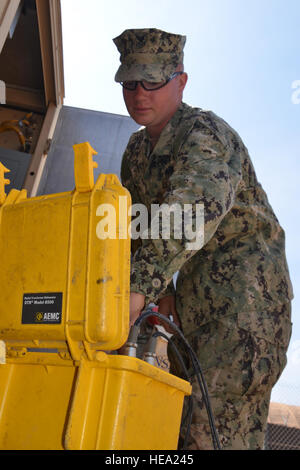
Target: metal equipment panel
108	133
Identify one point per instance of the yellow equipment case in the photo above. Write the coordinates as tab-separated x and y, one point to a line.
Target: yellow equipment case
64	311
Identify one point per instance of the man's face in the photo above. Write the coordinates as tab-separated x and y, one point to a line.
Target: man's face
154	109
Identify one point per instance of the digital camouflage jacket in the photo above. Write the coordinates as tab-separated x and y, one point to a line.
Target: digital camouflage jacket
241	270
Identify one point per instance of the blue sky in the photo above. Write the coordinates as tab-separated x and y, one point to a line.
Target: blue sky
242	58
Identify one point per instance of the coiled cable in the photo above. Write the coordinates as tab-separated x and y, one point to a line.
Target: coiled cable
189	414
197	370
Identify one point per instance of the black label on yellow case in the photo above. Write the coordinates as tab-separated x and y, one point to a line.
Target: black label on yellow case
42	309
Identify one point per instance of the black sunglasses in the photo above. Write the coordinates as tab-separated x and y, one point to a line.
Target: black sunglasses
148	86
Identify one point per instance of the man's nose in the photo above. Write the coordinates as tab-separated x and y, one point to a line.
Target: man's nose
140	91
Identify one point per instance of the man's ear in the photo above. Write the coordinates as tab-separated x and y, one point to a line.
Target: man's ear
183	78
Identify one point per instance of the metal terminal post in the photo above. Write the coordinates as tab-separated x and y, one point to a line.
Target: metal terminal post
150	351
130	347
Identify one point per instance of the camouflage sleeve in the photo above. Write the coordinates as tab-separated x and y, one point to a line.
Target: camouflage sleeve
126	178
170	290
127	181
208	172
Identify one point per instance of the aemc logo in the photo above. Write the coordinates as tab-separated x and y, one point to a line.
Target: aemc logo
51	316
47	317
2	92
39	317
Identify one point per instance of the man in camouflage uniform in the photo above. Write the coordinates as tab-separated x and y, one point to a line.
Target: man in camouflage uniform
233	295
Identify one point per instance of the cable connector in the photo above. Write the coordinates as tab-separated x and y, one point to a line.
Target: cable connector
130	347
150	351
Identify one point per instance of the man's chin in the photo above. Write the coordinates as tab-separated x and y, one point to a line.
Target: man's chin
140	121
141	117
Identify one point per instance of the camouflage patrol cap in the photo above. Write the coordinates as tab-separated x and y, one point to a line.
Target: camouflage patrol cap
148	54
